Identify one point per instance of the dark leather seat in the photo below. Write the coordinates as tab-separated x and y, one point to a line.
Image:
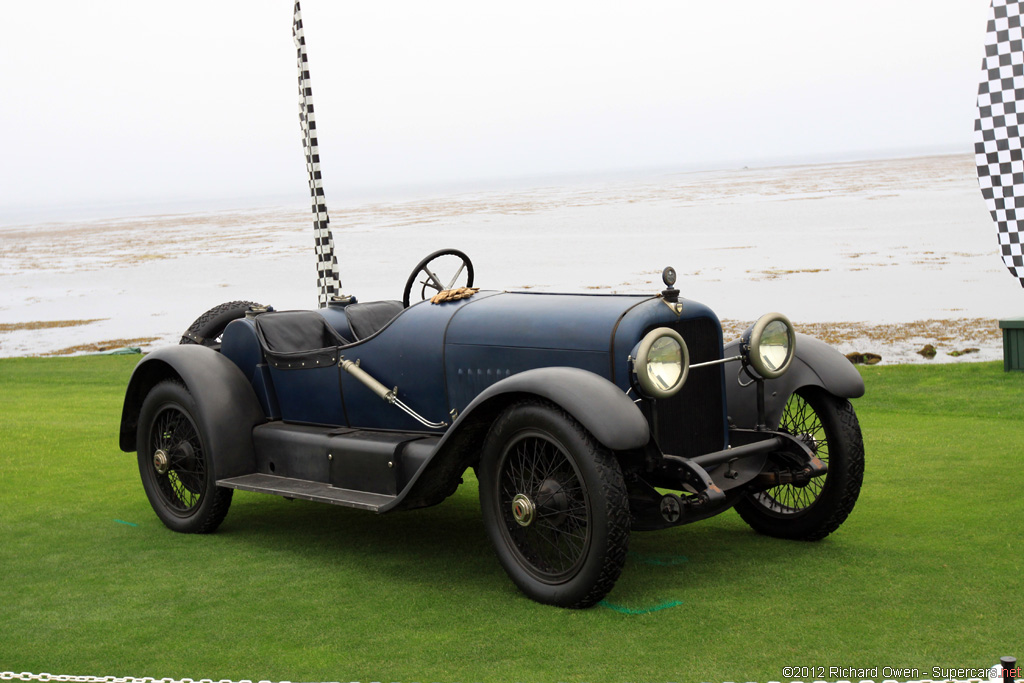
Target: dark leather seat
367	319
303	339
298	339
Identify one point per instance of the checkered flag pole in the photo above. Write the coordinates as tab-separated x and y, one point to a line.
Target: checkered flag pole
328	281
999	128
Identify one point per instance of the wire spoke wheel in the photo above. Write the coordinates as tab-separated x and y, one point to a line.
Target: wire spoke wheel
810	511
553	541
183	480
175	463
554	503
800	420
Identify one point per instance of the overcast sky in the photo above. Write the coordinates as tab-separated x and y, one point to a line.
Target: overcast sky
135	101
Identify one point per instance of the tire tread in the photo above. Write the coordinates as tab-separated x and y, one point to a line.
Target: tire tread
214	320
614	489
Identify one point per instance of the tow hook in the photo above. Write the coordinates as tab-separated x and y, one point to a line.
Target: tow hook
730	471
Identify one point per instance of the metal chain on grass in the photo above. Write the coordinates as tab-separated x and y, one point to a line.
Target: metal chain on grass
26	676
58	678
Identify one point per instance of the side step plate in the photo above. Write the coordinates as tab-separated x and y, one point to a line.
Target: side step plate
307	490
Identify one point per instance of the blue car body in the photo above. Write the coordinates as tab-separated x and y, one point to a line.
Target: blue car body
441	356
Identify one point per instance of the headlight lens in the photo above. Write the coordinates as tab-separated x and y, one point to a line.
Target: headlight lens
774	350
661	363
770	344
665	362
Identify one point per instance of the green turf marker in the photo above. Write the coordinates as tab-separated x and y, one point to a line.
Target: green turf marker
121	521
640	610
659	560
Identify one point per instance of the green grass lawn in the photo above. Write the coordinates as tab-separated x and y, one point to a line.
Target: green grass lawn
926	572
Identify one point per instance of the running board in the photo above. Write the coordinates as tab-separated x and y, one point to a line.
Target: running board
307	490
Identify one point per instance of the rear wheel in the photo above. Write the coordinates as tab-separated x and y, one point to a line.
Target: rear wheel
555	505
175	463
208	328
811	511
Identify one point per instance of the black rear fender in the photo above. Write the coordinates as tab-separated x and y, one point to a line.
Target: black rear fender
816	365
227	406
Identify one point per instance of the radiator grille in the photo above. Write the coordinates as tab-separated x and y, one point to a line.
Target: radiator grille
693	421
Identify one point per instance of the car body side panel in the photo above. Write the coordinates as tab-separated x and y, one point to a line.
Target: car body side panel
305	395
472	369
309	395
408	354
242	346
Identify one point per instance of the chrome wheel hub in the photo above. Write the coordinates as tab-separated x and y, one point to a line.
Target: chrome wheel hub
161	461
523	509
809	441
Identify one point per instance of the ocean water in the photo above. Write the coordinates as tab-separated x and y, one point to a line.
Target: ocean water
860	251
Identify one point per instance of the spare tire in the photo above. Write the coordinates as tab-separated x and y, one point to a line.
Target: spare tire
208	328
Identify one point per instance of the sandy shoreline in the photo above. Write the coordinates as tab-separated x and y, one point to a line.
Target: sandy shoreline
880	257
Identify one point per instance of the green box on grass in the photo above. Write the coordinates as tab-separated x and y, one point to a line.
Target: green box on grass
1013	343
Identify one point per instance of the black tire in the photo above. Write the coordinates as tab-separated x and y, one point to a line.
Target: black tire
179	481
467	267
569	545
208	328
829	425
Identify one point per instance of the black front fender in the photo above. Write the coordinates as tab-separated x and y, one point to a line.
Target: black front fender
228	407
816	364
600	406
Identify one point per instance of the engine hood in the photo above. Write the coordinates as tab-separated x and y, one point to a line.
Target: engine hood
570	322
500	334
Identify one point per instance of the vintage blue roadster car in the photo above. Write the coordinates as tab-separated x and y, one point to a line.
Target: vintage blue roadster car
584	416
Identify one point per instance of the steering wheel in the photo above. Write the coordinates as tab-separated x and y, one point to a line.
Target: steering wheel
435	275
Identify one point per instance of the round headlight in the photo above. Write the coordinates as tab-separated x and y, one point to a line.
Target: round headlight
661	363
770	344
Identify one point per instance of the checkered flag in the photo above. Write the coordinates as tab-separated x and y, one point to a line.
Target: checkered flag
999	129
328	281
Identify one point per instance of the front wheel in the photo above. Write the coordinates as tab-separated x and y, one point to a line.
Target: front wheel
554	504
175	464
811	511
